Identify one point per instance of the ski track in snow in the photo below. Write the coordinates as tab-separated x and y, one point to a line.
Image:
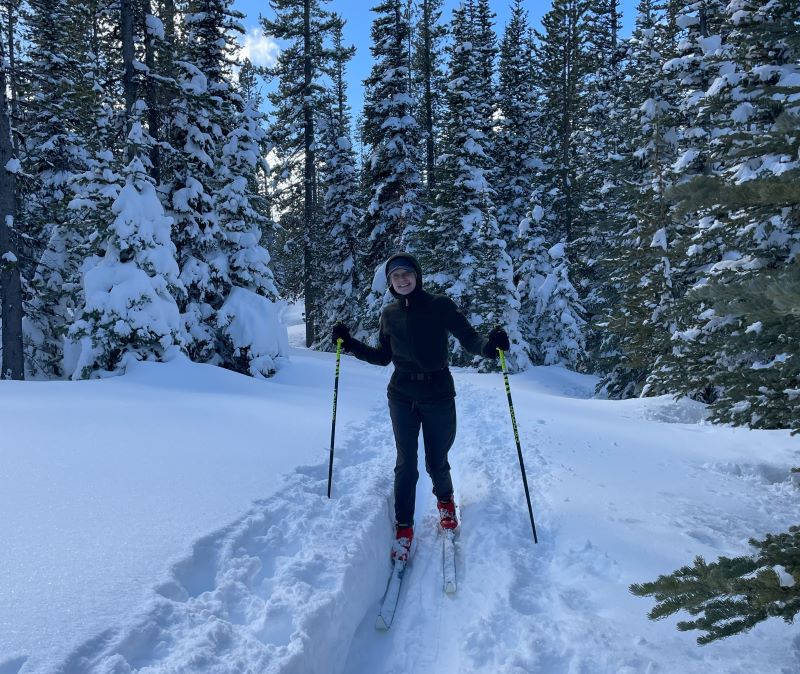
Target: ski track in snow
293	587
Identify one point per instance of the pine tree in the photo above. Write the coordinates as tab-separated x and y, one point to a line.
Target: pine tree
391	172
602	169
429	80
462	247
242	222
748	237
391	133
218	220
74	157
515	151
562	66
641	324
340	277
297	105
130	308
58	117
551	314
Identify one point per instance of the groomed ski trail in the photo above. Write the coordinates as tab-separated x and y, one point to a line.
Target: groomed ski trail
475	629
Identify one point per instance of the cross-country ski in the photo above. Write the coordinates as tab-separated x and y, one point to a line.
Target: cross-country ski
391	596
449	561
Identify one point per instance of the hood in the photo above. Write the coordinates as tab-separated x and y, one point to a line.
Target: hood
417	269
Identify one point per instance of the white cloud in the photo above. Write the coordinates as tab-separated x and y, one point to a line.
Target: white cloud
259	48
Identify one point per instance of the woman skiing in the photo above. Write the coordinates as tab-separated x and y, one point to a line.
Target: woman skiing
413	335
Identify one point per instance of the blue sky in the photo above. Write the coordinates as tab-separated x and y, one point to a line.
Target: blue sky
359	19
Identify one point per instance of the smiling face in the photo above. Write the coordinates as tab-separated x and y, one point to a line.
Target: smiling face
403	281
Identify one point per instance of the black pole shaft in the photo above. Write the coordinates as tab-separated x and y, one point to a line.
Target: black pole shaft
333	421
519	446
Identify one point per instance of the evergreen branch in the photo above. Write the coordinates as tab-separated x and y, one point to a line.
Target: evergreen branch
731	595
705	191
768	294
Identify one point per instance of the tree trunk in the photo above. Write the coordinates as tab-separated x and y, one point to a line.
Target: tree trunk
430	149
13	365
309	179
129	75
151	96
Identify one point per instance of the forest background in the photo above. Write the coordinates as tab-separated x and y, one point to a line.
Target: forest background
626	206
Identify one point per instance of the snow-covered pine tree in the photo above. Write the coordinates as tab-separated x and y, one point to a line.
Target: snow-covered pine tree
558	337
695	64
562	67
641	324
515	151
551	315
297	104
601	170
83	139
340	277
462	248
484	49
429	80
218	228
391	173
743	343
130	308
244	340
56	126
560	90
739	339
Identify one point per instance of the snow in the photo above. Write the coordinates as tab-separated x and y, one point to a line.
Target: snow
684	160
154	25
754	327
710	44
558	251
13	165
784	577
659	239
8	257
174	519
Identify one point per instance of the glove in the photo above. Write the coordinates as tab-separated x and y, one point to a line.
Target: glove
341	331
498	339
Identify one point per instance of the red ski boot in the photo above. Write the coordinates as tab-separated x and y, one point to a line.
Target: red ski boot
447	515
401	548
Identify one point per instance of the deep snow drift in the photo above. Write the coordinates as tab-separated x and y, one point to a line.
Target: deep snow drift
175	520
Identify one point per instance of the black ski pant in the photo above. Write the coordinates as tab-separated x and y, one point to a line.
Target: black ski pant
438	422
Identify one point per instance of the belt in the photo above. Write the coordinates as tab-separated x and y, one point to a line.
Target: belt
422	376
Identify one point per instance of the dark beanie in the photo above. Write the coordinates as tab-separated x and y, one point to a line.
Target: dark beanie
400	262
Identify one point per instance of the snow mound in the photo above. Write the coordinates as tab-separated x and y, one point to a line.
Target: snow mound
670	411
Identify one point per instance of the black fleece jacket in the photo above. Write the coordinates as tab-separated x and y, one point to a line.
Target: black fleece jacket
414	336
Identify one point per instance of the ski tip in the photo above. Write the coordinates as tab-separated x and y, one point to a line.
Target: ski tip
380	624
450	587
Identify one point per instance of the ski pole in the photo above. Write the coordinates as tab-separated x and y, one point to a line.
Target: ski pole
333	422
516	437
